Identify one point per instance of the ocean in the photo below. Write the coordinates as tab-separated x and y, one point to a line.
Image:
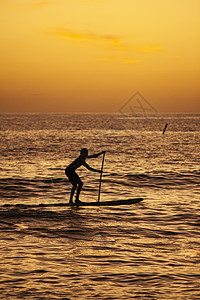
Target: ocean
148	250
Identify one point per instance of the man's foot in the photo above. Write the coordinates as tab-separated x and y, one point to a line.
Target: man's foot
77	202
71	203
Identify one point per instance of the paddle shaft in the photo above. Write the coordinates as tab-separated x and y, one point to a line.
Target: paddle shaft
101	176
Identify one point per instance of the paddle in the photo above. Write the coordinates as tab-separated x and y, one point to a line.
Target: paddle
101	176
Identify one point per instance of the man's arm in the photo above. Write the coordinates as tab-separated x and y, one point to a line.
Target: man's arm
90	168
96	155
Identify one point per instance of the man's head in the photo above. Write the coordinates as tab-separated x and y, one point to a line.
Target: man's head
84	152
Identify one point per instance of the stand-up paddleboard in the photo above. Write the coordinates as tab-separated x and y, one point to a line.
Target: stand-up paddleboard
101	203
109	203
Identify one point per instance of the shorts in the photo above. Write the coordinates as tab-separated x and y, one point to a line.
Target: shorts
73	176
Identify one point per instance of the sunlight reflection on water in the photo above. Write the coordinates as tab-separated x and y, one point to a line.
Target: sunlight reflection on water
149	250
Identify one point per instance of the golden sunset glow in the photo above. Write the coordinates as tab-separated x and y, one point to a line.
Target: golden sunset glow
91	55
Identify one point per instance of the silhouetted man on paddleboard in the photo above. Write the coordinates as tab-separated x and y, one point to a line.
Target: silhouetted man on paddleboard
75	180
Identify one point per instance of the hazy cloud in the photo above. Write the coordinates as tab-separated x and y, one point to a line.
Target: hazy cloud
79	36
141	48
115	40
123	51
40	3
126	60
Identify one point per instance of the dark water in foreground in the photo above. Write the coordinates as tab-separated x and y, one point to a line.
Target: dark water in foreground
150	250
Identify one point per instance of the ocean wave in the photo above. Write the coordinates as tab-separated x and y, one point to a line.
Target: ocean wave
26	188
162	180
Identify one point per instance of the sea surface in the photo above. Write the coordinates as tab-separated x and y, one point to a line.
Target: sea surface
149	250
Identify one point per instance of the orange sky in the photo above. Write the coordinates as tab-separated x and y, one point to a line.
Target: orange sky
91	55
